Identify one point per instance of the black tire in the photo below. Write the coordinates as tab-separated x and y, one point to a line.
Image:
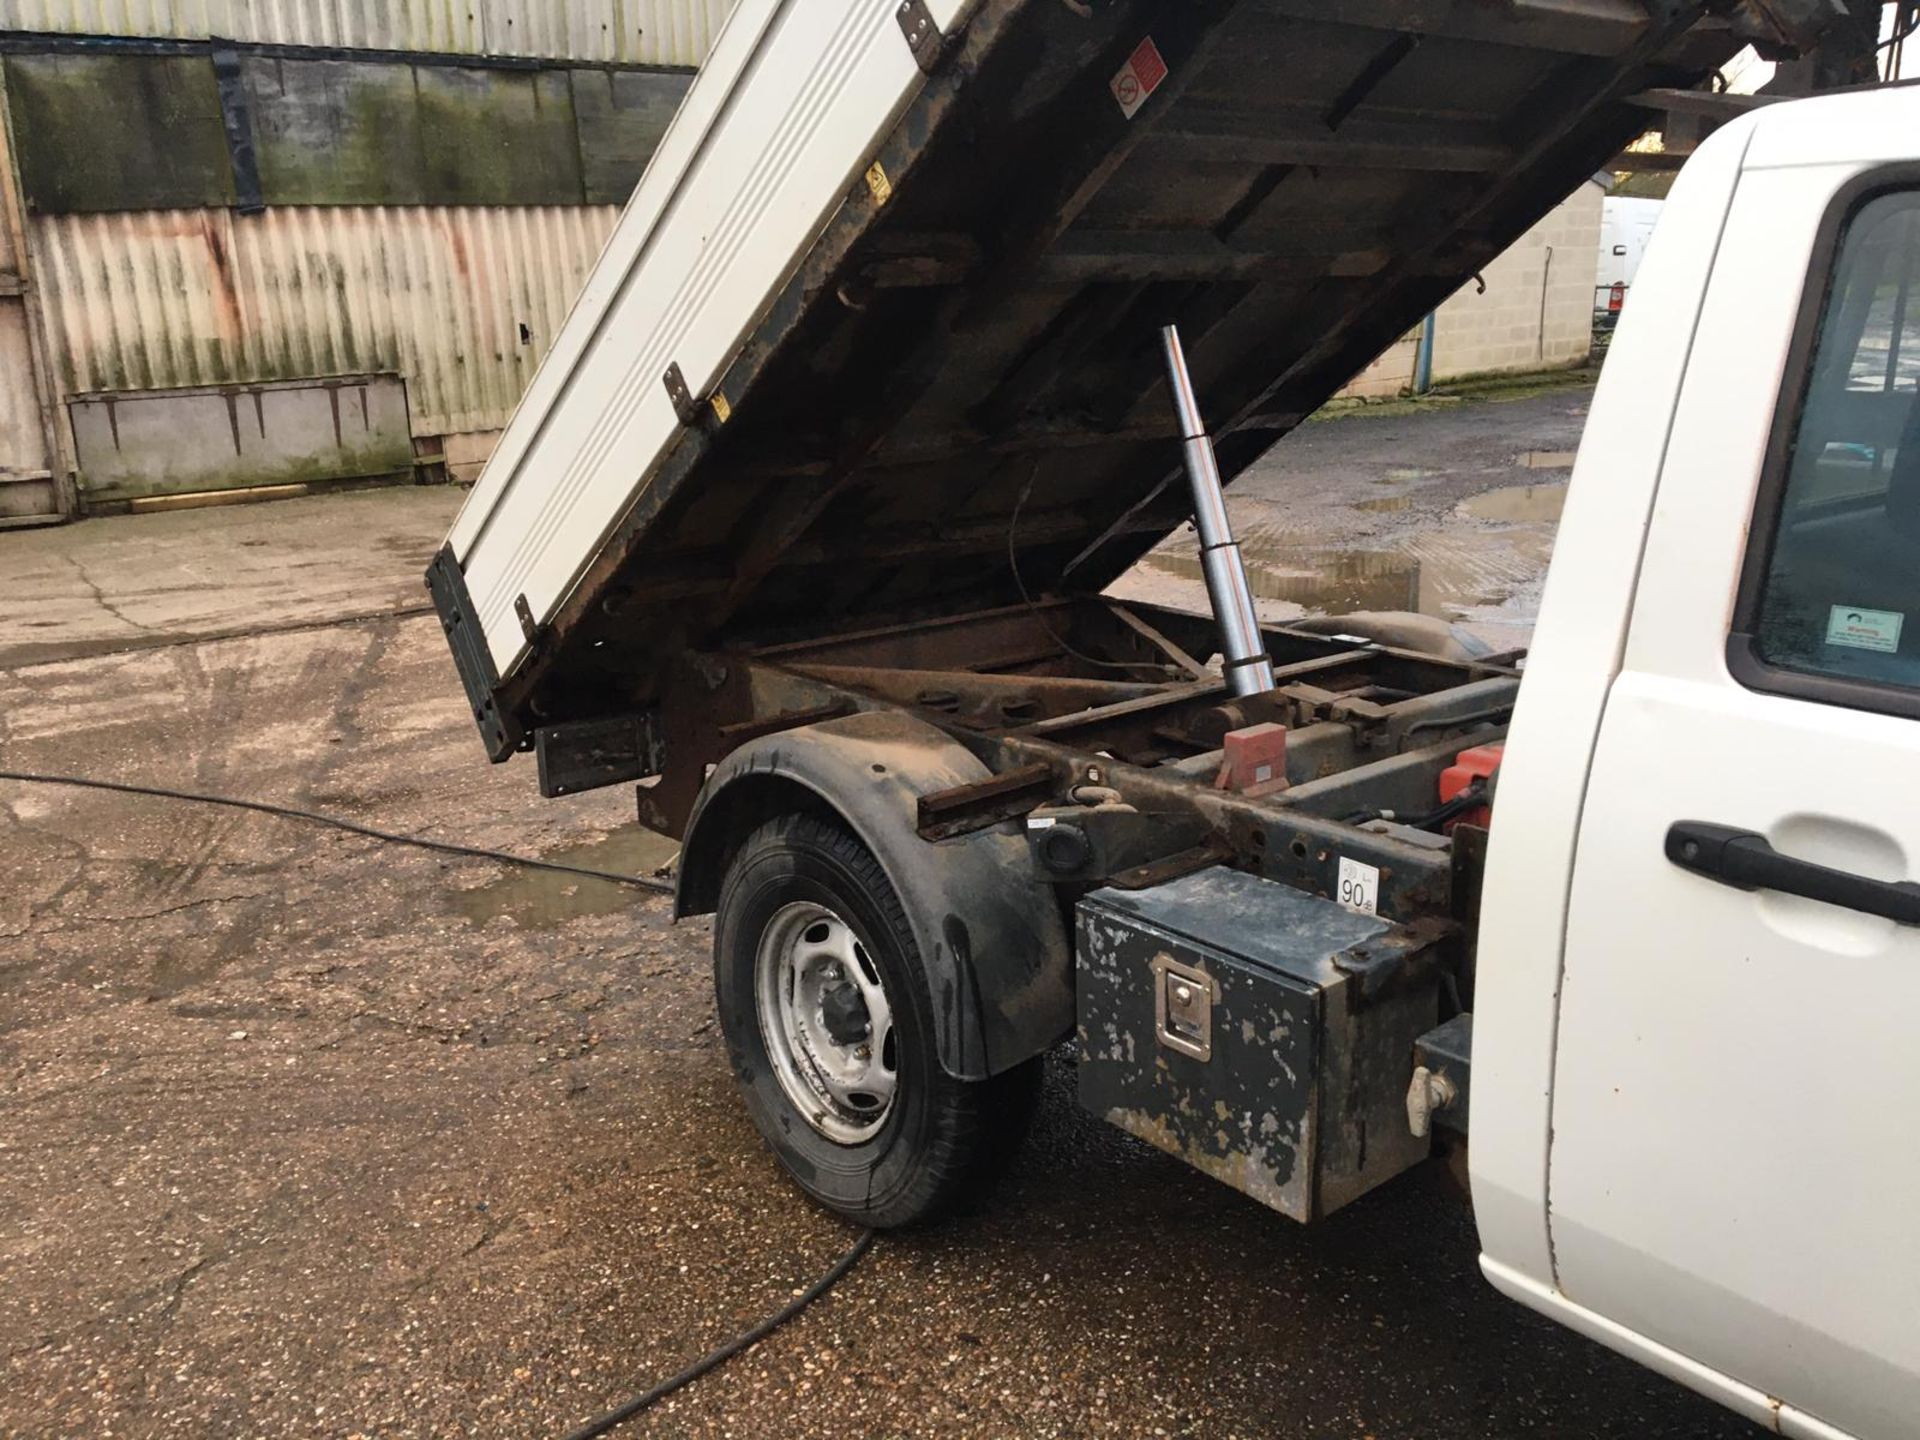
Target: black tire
943	1141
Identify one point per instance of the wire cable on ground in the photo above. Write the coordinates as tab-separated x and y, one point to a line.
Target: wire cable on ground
713	1359
352	827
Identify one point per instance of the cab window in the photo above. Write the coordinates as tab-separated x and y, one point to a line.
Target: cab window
1839	595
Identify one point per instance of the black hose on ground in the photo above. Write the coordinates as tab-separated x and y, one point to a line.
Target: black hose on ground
713	1359
352	827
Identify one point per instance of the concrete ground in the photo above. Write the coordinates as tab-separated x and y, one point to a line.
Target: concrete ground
301	1134
133	581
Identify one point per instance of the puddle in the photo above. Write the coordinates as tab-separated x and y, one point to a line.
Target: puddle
1385	504
543	899
1547	460
1518	504
1323	581
1439	574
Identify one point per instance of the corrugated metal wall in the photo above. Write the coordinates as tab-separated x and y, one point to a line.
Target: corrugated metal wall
639	32
459	300
160	299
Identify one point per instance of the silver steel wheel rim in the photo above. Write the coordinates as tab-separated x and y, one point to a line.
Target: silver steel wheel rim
825	1021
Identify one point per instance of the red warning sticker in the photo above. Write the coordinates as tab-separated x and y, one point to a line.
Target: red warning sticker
1139	78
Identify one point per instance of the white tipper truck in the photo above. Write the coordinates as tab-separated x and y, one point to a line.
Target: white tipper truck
899	359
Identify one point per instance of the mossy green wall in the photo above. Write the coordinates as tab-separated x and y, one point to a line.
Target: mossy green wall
105	132
144	132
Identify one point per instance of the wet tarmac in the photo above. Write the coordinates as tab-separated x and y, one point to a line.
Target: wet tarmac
303	1135
1529	505
1336	519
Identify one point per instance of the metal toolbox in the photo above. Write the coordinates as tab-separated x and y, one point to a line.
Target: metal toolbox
1263	1035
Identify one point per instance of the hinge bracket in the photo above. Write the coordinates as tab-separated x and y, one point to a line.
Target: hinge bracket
683	402
529	627
923	34
691	411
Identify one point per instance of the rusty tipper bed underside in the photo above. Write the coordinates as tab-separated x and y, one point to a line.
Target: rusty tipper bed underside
1099	723
972	341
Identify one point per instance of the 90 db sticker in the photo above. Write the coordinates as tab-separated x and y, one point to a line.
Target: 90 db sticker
1359	887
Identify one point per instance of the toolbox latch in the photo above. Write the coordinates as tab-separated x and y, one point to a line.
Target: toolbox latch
1183	1001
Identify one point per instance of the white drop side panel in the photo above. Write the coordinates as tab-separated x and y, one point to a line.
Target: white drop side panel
796	98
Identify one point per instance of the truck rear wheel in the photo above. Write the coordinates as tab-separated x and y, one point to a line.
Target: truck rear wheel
828	1018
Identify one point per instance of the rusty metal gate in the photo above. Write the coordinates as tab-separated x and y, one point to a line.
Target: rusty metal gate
29	485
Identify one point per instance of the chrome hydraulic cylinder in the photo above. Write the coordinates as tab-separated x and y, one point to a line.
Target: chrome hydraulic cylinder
1249	669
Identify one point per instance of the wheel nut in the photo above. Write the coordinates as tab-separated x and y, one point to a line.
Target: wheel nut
844	1014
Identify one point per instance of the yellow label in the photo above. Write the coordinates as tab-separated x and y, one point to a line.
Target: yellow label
722	411
878	183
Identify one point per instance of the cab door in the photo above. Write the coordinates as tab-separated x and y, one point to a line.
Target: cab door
1733	1172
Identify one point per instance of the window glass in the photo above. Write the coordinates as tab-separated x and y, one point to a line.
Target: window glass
1842	590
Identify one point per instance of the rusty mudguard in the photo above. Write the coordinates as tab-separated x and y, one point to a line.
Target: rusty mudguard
989	928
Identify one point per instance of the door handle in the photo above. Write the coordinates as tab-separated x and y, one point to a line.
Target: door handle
1746	861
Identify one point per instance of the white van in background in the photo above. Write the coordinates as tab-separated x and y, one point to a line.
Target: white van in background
1626	225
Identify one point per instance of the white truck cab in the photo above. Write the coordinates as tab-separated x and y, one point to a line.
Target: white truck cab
1695	1069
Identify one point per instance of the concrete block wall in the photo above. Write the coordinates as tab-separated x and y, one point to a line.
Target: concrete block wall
1502	330
1389	375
